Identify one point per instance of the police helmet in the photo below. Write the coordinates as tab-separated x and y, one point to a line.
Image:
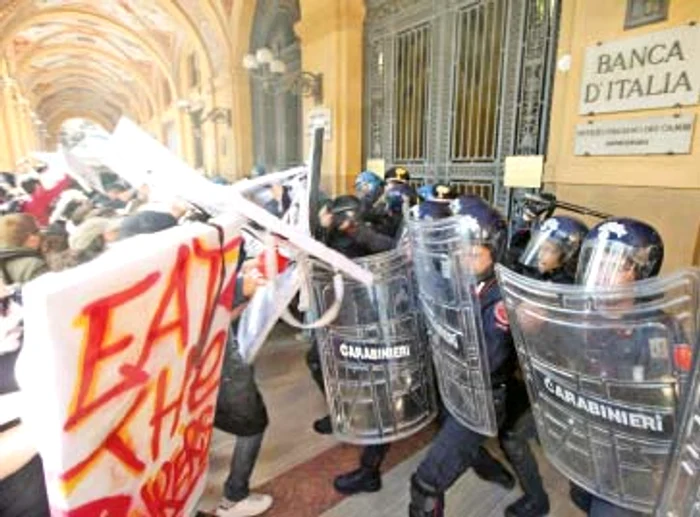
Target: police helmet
426	192
462	204
431	210
368	186
555	244
484	226
444	192
617	247
397	175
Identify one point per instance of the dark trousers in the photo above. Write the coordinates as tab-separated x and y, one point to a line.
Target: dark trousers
455	449
241	411
23	494
313	361
373	456
245	454
517	429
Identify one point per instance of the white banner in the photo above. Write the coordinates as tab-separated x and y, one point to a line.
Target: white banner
140	159
120	371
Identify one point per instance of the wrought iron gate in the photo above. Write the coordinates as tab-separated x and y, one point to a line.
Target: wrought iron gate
455	86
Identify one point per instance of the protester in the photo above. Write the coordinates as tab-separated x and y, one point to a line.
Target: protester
22	486
55	248
88	240
39	203
145	222
241	411
20	244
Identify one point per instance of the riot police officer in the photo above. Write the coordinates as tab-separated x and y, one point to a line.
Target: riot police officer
349	234
552	252
369	188
456	448
397	175
397	195
617	252
552	255
436	203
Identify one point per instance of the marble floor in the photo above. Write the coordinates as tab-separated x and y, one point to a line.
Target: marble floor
296	465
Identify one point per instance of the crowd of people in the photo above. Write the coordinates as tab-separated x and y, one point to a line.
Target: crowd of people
51	229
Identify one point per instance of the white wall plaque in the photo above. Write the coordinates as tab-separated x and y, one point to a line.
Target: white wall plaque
523	171
319	117
653	135
659	69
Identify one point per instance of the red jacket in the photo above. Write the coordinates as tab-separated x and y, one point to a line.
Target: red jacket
40	203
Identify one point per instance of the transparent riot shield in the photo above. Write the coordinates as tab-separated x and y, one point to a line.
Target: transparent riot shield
606	370
376	365
681	494
450	306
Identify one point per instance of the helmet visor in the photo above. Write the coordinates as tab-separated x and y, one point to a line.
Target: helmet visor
543	253
606	263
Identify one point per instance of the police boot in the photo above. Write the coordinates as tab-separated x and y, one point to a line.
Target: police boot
363	479
529	506
425	500
490	469
323	425
580	497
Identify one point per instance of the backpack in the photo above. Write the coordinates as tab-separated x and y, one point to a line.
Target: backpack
10	255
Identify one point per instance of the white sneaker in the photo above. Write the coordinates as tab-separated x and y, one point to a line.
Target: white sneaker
254	504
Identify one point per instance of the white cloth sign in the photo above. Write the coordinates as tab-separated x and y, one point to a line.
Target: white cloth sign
121	365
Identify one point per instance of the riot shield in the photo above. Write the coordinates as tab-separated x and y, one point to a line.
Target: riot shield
681	494
449	302
376	367
606	369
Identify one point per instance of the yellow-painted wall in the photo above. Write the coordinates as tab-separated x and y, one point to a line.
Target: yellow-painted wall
331	34
662	190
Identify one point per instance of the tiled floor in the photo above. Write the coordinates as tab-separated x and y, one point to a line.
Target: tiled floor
297	466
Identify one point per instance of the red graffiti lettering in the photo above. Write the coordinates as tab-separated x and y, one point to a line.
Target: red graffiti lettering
167	493
96	350
161	411
115	506
176	287
116	443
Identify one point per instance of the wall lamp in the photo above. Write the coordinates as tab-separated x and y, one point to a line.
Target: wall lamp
272	73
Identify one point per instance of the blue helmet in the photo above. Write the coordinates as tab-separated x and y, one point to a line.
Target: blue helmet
432	210
258	170
555	244
426	192
620	250
485	226
368	186
396	194
464	203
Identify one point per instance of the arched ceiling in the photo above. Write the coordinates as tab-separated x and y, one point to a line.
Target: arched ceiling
113	57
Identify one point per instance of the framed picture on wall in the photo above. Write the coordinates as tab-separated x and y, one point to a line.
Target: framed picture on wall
644	12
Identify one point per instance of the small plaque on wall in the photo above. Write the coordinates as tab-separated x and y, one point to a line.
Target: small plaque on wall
319	117
652	135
